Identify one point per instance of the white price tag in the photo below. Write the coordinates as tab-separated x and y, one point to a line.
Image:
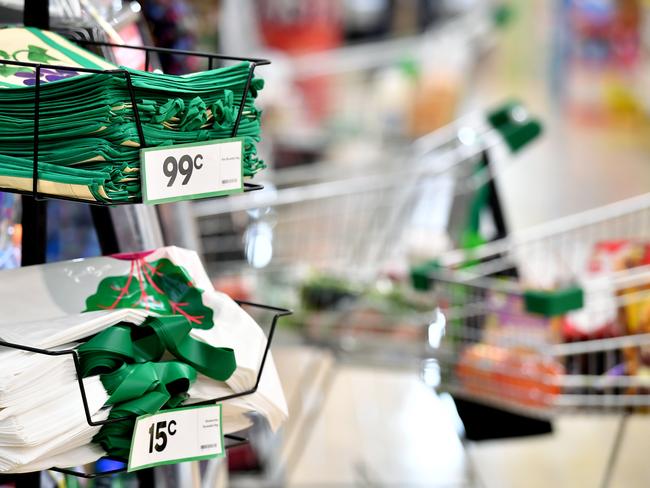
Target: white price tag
188	171
185	434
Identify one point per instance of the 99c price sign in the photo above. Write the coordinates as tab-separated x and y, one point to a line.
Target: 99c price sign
185	434
188	171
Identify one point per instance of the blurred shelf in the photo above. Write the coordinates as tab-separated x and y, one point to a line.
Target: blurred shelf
473	27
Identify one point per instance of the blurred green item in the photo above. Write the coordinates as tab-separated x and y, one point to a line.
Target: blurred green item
506	113
411	67
503	15
517	136
552	303
330	293
514	124
326	292
421	275
397	299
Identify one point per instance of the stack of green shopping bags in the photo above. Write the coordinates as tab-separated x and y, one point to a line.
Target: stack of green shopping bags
89	146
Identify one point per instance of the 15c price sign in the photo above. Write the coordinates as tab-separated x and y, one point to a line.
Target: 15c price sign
185	434
187	171
160	434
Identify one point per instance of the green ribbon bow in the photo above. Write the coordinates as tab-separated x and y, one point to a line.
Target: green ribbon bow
128	358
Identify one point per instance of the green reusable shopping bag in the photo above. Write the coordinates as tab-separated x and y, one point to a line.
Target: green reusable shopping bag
89	143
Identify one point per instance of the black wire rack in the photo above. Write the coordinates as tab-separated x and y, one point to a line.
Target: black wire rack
211	58
234	440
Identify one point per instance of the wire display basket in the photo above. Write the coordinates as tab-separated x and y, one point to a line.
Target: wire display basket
552	320
269	313
37	184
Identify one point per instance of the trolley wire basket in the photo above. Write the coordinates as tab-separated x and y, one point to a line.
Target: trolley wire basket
555	319
380	324
356	222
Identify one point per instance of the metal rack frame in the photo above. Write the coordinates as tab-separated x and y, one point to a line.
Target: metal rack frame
34	206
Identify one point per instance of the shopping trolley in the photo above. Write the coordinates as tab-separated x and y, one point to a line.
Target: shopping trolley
353	219
552	320
316	232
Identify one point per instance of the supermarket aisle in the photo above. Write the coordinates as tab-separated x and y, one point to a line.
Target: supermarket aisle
575	166
380	428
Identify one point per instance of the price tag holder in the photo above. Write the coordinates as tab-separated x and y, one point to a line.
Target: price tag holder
190	171
183	434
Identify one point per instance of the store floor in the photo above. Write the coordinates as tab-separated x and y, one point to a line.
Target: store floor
575	455
381	428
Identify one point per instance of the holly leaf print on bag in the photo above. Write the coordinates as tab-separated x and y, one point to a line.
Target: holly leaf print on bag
159	286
